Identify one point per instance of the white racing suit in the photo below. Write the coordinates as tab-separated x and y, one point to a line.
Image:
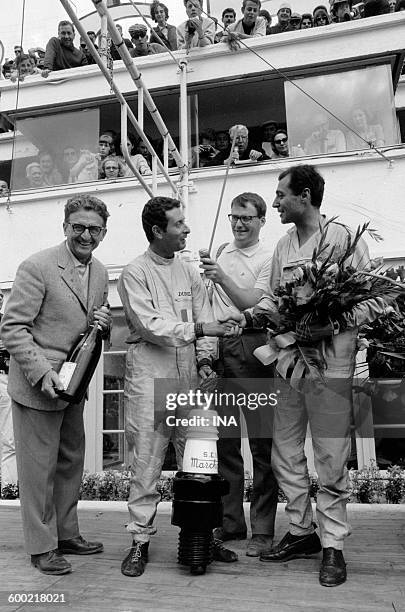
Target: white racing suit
328	411
162	300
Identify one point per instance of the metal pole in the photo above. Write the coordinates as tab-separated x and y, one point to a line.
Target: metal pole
137	78
125	152
184	131
116	90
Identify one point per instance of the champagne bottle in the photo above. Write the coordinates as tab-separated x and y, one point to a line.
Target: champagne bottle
78	369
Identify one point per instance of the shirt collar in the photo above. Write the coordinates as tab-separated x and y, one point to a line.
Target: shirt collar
76	262
247	252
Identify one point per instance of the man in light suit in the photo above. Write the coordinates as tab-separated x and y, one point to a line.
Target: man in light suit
56	294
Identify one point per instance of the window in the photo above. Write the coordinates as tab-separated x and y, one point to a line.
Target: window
363	99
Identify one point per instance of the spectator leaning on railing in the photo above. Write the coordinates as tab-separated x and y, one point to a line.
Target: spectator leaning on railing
250	26
139	38
60	52
228	17
197	31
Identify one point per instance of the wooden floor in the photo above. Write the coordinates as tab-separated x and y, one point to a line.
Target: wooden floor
375	554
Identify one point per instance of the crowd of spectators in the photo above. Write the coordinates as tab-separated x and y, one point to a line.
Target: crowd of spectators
73	165
198	30
269	142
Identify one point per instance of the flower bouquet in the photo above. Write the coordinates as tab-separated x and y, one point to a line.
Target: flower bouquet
322	294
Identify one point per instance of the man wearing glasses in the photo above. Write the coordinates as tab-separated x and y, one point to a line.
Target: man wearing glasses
56	295
240	277
139	37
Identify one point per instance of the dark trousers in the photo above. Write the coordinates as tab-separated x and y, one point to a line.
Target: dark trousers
50	457
237	365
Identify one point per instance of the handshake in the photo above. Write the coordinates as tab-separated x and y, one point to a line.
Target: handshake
232	326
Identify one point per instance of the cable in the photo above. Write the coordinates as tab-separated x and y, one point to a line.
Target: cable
302	90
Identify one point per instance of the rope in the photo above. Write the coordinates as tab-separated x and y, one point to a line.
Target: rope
8	205
302	90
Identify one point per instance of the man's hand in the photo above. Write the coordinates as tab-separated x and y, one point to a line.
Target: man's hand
255	155
46	72
102	317
236	321
50	382
234	157
212	269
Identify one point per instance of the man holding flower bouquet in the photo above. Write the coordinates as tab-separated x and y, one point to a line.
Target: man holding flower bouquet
317	298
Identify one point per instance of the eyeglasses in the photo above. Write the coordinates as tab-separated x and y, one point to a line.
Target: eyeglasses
94	230
281	141
138	35
245	219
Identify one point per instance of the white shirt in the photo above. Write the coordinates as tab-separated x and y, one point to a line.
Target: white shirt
249	268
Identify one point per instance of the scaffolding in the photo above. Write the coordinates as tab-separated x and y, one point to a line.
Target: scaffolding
144	99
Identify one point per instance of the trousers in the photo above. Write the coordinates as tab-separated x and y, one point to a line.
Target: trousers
8	459
328	410
50	456
243	374
150	371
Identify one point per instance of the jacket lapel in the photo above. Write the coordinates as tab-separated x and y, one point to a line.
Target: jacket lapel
69	274
94	287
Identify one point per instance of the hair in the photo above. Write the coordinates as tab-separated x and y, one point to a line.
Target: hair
115	158
132	139
86	201
376	7
257	2
321	11
44	152
239	129
21	58
153	8
208	134
307	16
91	32
266	15
154	213
196	1
228	10
112	135
251	198
61	24
303	177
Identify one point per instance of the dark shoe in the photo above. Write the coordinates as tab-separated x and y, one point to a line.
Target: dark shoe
292	547
225	536
51	562
135	561
79	546
259	543
333	568
220	553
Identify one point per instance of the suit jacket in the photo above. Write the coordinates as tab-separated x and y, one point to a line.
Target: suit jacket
44	315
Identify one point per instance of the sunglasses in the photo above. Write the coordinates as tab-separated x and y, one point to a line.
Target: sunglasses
281	141
138	35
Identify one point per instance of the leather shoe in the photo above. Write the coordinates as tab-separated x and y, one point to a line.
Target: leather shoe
333	568
226	536
79	546
134	563
51	562
292	547
220	553
259	543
